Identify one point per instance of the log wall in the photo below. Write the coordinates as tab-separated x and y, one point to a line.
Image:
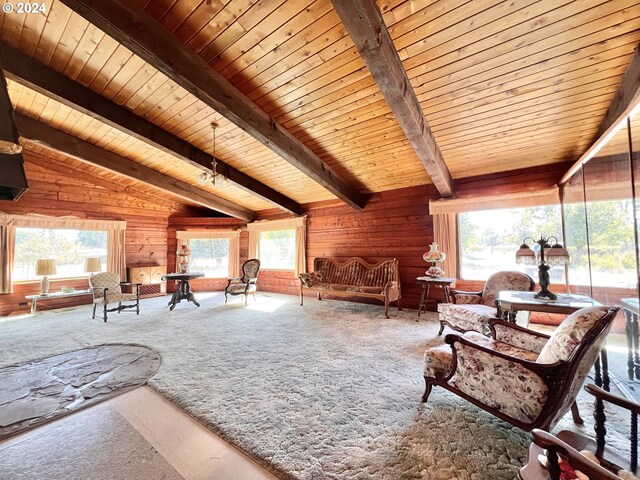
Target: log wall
58	189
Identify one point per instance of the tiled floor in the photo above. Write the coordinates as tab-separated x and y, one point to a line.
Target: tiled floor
136	435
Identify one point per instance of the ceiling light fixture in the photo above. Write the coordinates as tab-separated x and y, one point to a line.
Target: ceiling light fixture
212	175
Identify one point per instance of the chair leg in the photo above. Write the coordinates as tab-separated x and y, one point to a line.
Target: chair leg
119	307
319	296
575	413
105	313
427	390
254	297
138	306
246	299
399	306
386	307
225	296
94	311
441	328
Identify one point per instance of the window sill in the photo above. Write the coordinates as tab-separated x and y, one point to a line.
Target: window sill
51	280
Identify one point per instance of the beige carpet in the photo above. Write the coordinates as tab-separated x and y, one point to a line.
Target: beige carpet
328	390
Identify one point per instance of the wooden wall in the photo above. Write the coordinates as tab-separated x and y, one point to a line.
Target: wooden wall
68	188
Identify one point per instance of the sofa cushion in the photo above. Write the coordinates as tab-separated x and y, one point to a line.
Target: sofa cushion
467	316
115	298
570	333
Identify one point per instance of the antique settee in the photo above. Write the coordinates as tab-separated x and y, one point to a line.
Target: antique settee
353	278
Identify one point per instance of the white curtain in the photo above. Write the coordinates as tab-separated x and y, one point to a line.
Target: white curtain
116	259
184	236
7	254
444	234
297	223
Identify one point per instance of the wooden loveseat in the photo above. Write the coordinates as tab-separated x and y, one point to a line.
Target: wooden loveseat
353	278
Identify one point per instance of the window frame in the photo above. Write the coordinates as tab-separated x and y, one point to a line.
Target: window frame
272	269
233	237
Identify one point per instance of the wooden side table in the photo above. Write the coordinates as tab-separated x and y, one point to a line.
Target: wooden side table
183	292
52	296
425	296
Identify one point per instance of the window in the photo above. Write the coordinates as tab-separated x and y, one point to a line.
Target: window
278	249
211	256
69	248
489	239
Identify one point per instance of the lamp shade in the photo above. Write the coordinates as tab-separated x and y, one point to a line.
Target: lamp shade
557	255
92	265
526	255
46	267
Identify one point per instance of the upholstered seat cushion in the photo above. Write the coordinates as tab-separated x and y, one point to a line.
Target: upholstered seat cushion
236	288
116	298
467	316
438	360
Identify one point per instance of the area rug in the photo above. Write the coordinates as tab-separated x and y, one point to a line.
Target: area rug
328	390
35	392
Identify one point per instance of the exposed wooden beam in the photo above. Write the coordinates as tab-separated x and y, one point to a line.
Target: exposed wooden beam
624	101
624	96
13	181
69	145
129	24
367	29
33	74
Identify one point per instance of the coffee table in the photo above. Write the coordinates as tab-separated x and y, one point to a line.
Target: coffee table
51	296
183	292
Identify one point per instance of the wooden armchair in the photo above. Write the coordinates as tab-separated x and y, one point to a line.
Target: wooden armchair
569	447
106	288
245	284
471	311
523	377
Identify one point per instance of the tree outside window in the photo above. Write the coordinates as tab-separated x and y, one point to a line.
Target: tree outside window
277	249
211	256
69	248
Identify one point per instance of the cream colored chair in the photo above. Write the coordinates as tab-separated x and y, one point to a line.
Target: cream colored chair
106	288
471	311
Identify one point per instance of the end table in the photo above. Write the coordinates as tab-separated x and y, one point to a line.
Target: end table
442	282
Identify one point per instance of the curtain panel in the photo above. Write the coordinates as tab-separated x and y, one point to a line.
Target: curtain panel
184	236
116	258
297	223
444	234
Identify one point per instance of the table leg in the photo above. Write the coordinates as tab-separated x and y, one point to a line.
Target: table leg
33	307
635	347
421	304
605	369
598	377
447	297
628	327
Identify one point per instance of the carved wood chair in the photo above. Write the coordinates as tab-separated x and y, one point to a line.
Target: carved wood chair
471	311
570	447
245	284
523	377
106	288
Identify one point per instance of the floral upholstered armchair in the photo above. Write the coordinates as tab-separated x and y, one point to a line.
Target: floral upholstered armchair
473	310
523	377
106	288
247	283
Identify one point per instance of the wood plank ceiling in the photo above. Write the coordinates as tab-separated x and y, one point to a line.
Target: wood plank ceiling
503	84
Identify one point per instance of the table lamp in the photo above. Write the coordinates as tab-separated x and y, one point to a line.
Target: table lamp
45	267
92	265
549	254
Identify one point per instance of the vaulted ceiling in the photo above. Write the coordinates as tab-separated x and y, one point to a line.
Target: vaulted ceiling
503	85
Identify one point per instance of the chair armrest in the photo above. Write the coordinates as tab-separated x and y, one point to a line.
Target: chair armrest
253	280
453	338
576	459
598	392
309	279
517	336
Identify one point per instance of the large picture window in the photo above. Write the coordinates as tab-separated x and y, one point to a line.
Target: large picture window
211	256
489	239
277	249
69	248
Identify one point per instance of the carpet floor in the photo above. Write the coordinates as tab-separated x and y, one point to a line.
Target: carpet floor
328	390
